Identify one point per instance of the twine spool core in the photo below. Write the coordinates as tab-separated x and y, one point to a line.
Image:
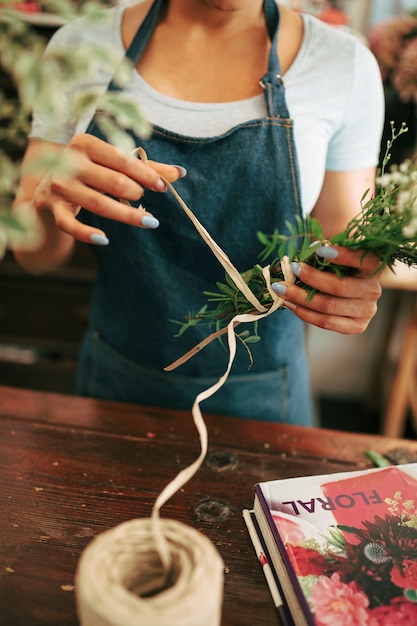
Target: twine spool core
121	580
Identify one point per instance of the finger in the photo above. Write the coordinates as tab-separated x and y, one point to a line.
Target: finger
88	151
328	304
98	178
357	286
122	185
65	221
77	195
339	324
65	218
366	262
170	172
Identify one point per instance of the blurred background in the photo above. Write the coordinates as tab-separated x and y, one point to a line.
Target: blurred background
364	383
359	15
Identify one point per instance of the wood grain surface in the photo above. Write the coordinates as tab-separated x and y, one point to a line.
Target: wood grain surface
71	468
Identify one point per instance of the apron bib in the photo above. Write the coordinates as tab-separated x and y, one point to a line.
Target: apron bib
237	183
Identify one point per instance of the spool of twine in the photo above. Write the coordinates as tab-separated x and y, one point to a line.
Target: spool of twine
121	580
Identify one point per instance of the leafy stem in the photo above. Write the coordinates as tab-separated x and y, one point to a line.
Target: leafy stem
386	226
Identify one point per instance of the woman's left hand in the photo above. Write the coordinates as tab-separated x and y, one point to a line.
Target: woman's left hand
345	305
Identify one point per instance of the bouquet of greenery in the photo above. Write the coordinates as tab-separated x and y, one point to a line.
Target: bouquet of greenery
386	226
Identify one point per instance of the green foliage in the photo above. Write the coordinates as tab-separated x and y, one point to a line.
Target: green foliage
43	80
411	595
229	301
386	225
377	459
336	538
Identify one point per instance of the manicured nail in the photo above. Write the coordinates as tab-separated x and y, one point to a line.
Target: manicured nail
149	221
327	252
296	268
160	185
182	170
279	288
99	240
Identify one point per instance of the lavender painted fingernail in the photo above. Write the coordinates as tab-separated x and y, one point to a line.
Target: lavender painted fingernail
279	288
182	170
99	240
327	252
296	268
149	221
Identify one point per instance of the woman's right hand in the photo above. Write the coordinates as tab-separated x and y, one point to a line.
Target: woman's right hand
99	168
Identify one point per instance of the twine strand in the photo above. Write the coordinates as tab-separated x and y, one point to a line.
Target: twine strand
154	571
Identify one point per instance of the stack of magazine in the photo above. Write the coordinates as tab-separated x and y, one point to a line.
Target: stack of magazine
340	549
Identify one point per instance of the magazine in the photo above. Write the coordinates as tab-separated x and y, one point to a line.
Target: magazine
343	546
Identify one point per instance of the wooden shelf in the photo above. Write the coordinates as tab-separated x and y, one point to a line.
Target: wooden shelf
43	19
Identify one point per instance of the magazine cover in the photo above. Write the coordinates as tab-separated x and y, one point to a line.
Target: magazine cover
351	539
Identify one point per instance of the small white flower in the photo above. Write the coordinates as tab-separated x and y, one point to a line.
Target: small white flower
405	166
410	230
398	177
406	200
384	180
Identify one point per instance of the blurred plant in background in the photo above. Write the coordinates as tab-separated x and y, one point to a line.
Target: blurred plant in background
21	53
394	44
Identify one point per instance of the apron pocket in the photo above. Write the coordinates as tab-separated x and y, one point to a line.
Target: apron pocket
104	373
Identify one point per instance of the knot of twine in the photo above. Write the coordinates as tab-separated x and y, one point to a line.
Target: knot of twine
156	572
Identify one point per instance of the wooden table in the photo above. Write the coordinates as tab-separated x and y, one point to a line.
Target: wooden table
71	468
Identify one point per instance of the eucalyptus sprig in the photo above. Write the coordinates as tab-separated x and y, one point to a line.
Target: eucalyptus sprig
386	225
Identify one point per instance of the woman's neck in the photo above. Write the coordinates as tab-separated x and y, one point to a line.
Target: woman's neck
211	50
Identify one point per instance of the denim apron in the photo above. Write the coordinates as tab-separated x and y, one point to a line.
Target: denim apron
240	182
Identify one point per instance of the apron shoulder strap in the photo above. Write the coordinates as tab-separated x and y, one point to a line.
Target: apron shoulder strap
144	32
272	82
272	18
141	38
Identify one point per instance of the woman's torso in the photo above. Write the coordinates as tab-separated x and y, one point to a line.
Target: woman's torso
238	182
142	271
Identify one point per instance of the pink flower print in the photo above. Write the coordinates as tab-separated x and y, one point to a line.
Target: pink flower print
405	576
338	604
291	532
405	78
307	562
386	41
399	612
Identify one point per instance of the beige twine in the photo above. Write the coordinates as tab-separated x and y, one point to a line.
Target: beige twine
160	572
120	580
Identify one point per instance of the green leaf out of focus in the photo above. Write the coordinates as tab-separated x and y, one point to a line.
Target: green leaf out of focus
31	77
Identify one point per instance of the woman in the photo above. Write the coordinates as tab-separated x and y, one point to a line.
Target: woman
220	81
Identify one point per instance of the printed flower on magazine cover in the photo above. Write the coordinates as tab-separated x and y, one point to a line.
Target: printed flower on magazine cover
364	570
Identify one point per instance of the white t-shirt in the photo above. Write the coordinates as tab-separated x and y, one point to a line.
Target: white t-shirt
333	91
